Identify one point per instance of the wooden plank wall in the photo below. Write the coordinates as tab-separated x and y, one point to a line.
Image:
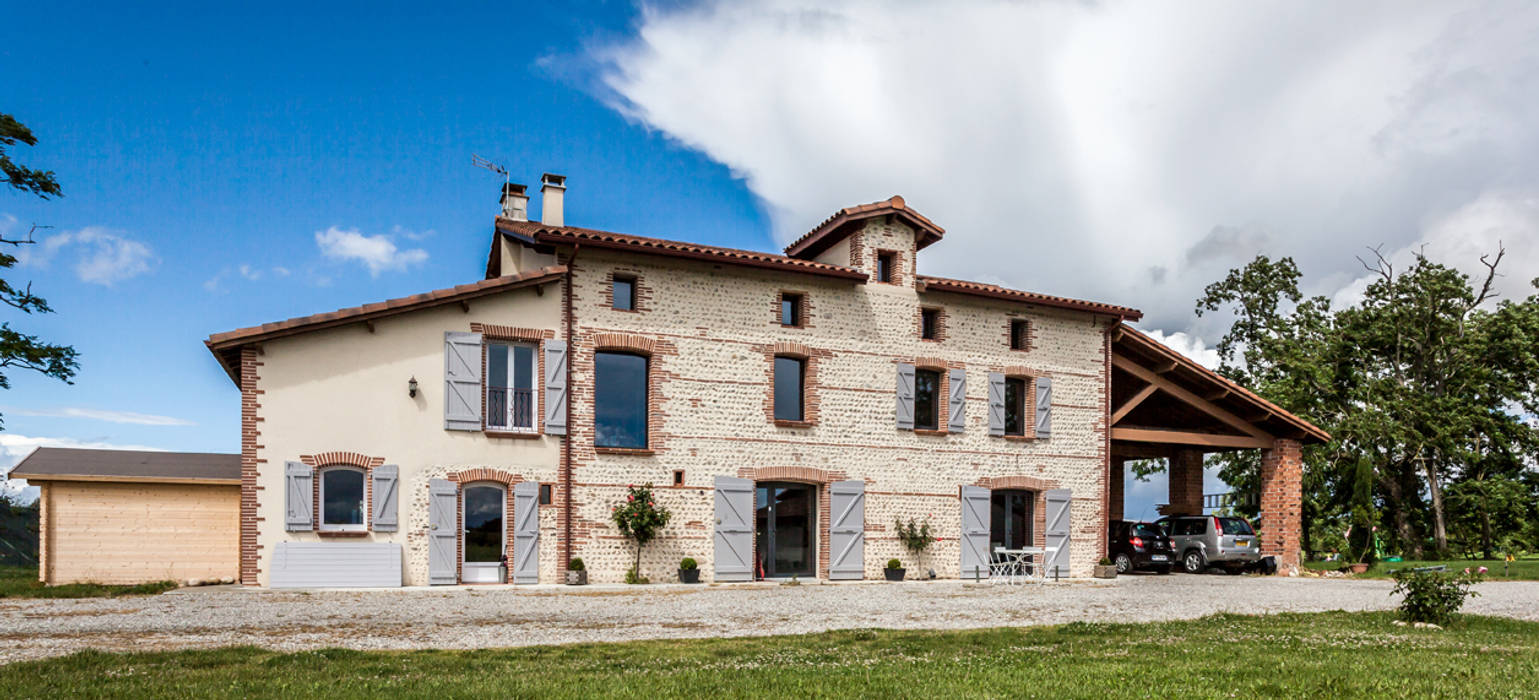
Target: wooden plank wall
130	533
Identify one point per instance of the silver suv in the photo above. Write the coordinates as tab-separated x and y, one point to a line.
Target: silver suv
1201	541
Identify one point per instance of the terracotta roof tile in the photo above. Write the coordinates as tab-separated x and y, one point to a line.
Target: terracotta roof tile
942	284
820	238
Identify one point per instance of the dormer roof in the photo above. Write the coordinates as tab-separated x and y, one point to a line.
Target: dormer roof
836	227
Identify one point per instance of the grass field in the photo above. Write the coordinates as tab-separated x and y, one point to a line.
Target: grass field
1304	655
1524	569
21	582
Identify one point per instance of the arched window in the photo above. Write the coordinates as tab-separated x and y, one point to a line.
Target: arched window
342	498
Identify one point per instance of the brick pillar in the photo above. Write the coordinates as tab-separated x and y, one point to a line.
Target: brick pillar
1282	489
1186	482
1114	489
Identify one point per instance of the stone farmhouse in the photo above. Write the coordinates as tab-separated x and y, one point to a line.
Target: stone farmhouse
788	408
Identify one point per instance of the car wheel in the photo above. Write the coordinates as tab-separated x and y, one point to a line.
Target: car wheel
1124	564
1194	562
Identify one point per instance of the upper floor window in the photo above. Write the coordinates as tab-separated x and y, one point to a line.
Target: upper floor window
342	498
929	324
884	265
927	387
790	374
790	309
620	400
623	293
1018	336
511	400
1015	406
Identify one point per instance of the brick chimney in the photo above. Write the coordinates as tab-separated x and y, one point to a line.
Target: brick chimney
515	204
552	191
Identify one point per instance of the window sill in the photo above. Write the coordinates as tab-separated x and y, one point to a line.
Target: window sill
513	434
342	533
642	451
924	431
929	340
1019	438
779	423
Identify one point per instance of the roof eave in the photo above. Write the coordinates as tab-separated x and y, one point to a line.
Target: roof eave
1120	313
551	237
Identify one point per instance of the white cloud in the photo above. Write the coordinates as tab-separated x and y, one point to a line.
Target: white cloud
102	256
1130	152
378	253
1189	345
14	448
98	414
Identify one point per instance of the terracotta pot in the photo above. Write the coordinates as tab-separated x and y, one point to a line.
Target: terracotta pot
1357	568
1107	571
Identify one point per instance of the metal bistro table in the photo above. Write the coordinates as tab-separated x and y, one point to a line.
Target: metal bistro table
1011	565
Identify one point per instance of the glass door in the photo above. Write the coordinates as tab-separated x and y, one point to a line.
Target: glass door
1010	516
785	523
485	506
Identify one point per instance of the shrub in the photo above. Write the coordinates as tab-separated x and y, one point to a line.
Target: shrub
894	564
575	564
632	577
1432	596
916	537
688	563
1105	561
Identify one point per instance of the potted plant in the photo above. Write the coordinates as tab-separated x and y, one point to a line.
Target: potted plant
639	519
895	570
689	570
576	573
916	537
1105	569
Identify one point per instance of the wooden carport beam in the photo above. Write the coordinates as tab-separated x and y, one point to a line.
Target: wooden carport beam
1196	401
1132	403
1180	437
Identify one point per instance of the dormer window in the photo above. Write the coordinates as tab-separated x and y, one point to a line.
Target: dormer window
884	263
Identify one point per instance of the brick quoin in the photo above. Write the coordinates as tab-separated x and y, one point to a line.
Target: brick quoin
250	433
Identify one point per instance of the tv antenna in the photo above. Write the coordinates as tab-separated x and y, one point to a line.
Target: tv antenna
485	164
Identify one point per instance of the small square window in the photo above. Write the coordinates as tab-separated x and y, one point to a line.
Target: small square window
678	477
1018	337
545	490
884	264
790	309
623	291
929	324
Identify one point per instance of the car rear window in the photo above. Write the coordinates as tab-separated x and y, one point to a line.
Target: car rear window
1235	526
1146	530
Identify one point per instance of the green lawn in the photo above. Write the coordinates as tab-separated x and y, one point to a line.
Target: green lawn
21	582
1295	655
1524	569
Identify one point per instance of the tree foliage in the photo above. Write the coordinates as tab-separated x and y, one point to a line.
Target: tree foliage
1422	385
639	519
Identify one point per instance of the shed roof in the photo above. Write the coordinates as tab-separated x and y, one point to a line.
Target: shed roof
75	464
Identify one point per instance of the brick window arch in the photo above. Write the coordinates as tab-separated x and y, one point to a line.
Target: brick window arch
481	475
324	461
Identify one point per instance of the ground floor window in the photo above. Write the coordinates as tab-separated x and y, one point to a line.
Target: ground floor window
1011	519
342	498
785	527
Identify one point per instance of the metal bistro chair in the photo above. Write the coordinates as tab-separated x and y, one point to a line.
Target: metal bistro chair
1001	566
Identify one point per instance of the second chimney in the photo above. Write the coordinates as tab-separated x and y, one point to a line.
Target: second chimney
552	191
515	204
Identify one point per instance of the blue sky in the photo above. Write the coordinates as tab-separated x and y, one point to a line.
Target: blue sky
225	166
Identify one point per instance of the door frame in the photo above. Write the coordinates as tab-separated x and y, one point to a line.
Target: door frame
814	506
483	572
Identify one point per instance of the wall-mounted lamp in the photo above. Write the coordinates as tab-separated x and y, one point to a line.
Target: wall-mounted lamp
411	387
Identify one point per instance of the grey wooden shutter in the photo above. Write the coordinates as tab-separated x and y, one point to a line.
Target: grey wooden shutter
386	496
734	529
905	396
462	381
555	387
1058	501
996	404
847	530
299	496
443	532
526	532
1044	407
975	532
958	413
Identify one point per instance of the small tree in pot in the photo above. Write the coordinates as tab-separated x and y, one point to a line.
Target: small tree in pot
639	520
916	537
689	570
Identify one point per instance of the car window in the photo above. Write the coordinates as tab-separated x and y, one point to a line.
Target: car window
1190	526
1235	526
1146	530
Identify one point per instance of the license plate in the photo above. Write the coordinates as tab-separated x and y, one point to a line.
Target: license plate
1157	557
1242	543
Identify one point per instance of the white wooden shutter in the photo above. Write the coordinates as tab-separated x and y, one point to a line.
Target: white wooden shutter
555	387
386	480
975	532
847	530
526	532
1058	501
462	381
734	529
996	404
905	396
1044	407
443	532
958	413
299	496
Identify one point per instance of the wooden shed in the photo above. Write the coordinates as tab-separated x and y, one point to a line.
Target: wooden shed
119	516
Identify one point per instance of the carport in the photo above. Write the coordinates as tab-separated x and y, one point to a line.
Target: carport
1167	406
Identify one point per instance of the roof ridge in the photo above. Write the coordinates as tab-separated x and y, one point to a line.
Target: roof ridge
1036	297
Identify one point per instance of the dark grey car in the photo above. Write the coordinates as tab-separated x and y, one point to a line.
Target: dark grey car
1201	541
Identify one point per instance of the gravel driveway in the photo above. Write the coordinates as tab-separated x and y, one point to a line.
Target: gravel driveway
501	617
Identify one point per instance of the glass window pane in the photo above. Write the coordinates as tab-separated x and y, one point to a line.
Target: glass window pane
624	292
483	524
788	388
788	309
523	367
497	366
620	395
342	494
1015	407
926	395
